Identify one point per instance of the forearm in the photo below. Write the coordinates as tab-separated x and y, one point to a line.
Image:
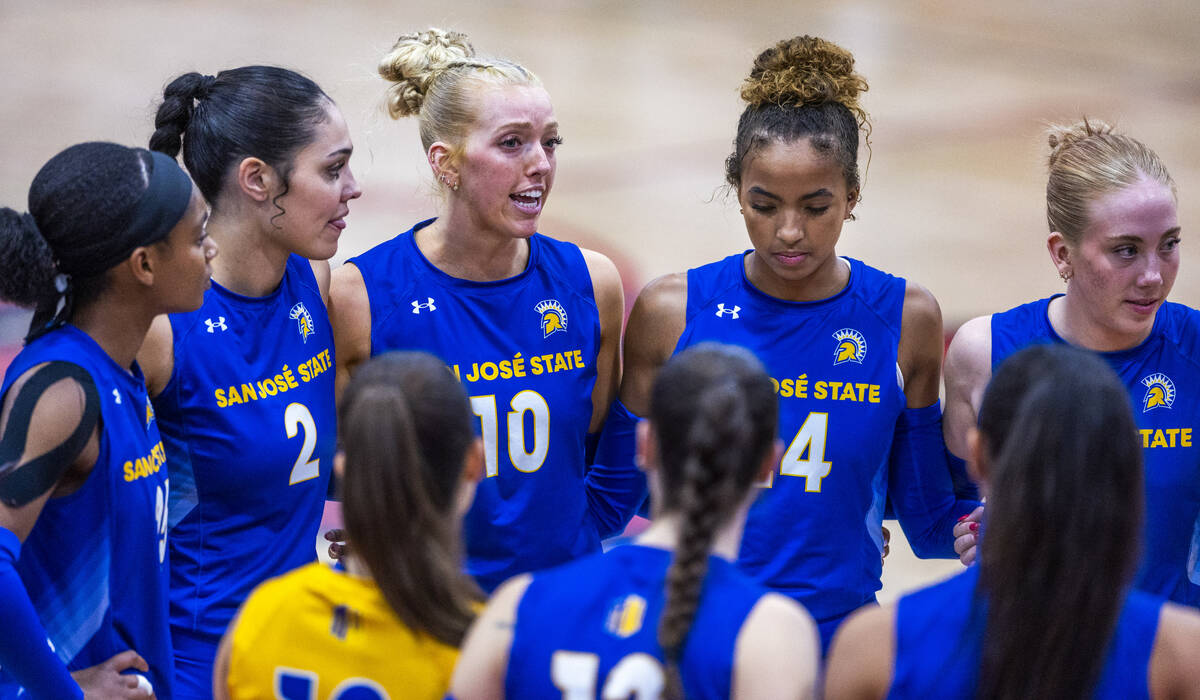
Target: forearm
920	486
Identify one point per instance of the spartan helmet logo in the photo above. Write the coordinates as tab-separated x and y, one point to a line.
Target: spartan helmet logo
851	346
554	317
626	615
303	320
1160	392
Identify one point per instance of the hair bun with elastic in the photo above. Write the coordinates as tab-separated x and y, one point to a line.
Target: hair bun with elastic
803	71
1062	137
415	61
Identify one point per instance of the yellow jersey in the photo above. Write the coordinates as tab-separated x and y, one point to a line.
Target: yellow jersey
317	634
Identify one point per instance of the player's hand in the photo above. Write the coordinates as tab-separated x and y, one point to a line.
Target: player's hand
966	539
887	543
338	549
106	682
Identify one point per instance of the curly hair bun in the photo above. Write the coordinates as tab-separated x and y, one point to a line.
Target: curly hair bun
28	262
415	61
805	70
1063	137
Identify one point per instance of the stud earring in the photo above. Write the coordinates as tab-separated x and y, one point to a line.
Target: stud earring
1065	275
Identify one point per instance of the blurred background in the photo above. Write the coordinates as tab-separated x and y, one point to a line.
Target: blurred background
646	93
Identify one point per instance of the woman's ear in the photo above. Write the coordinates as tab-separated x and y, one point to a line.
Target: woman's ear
1060	254
442	161
256	179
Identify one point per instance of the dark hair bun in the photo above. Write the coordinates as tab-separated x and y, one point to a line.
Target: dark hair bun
28	265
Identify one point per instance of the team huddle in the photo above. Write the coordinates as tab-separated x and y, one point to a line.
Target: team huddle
197	380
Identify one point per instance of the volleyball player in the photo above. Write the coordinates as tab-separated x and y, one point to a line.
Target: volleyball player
669	616
1049	612
244	386
854	352
1114	240
530	324
392	621
115	237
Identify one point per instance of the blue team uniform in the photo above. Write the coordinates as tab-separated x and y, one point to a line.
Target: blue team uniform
525	349
249	423
592	626
814	533
1162	375
95	563
940	632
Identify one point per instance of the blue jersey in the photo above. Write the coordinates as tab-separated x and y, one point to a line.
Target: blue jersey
940	632
95	563
249	422
1162	375
814	533
590	629
525	348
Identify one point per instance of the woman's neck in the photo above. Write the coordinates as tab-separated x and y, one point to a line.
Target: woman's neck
460	249
830	278
248	262
1070	319
118	328
664	534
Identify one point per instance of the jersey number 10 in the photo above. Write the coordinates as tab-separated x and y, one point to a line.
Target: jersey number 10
525	458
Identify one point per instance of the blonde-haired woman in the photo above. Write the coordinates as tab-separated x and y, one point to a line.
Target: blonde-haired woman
855	353
528	323
1114	240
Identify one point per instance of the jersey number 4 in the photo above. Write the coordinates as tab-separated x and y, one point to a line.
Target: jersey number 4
524	457
805	456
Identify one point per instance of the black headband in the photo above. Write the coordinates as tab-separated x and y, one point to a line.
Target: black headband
161	206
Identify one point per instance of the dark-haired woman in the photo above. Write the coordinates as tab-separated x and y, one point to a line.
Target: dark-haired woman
1114	240
854	352
115	237
244	386
391	624
669	616
1048	612
530	324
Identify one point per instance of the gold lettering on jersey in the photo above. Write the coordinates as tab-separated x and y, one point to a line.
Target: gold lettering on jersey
802	388
281	382
518	366
143	467
1166	437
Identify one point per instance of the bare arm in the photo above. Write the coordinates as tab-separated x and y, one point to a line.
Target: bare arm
777	653
610	301
483	661
350	316
321	271
968	370
157	355
921	343
657	321
220	679
862	656
1175	660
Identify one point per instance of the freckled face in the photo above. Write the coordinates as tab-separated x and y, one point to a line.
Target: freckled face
320	187
507	165
185	257
1126	261
794	201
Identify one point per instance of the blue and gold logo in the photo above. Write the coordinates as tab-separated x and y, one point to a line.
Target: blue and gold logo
626	615
554	317
303	320
851	346
1160	392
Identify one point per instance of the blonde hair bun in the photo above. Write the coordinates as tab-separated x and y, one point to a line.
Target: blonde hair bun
1062	137
802	71
415	61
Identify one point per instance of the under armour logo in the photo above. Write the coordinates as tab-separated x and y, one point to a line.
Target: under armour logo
428	305
116	396
219	323
722	311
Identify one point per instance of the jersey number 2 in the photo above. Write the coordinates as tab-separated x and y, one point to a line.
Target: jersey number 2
295	417
525	460
638	675
805	456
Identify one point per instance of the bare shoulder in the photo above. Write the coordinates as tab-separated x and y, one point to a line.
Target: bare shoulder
156	357
483	661
970	352
777	654
606	280
321	271
862	655
657	321
1175	661
922	313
